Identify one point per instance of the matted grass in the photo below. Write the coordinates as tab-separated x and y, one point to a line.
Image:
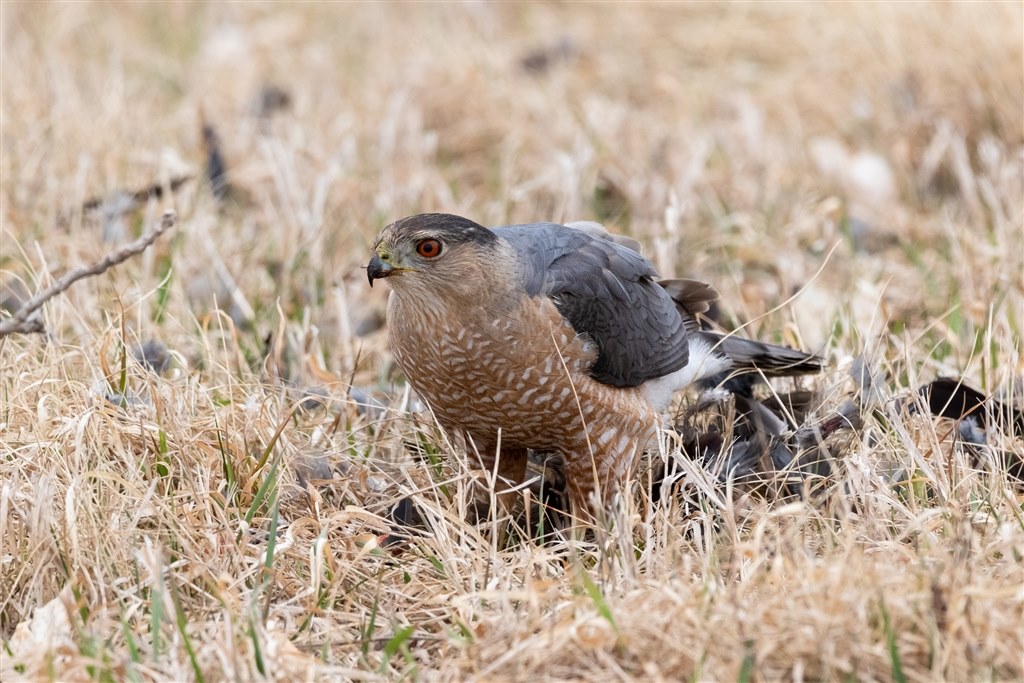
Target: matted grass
211	523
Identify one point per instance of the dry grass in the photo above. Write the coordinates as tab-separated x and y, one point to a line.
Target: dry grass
152	526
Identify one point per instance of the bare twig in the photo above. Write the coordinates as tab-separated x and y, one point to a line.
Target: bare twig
24	321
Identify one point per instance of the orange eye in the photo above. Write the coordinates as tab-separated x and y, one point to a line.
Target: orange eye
428	248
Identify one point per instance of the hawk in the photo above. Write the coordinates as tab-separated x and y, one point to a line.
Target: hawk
551	337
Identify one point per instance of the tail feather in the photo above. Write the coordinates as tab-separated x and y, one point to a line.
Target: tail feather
694	299
770	360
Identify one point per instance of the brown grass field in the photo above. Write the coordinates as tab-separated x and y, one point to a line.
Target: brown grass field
849	176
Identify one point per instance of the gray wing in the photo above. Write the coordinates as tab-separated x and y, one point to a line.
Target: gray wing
607	292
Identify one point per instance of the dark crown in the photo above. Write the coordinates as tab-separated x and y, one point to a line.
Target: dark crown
446	227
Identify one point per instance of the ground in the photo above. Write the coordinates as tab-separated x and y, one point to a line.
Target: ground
849	176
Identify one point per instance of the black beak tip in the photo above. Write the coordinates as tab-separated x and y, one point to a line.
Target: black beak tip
377	269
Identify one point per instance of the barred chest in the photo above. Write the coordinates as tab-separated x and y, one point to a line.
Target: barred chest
482	374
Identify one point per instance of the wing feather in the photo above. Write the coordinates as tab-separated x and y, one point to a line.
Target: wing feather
606	291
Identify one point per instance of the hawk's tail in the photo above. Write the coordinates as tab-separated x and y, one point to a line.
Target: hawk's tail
770	360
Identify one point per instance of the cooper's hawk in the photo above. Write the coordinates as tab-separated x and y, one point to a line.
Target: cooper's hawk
553	338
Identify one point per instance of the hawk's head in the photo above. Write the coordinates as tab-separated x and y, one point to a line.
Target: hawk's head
433	252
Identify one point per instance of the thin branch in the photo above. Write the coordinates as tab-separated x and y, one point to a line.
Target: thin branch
25	321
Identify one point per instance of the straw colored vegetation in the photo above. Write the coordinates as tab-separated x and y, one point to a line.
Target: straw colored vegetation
850	177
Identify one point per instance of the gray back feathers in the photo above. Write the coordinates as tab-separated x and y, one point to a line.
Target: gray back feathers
607	292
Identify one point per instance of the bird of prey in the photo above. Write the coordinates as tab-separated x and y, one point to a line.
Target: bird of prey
551	337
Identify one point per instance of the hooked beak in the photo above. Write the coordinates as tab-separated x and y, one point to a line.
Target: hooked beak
377	269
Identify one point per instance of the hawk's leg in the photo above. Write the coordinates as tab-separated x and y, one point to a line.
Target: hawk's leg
510	466
594	474
582	486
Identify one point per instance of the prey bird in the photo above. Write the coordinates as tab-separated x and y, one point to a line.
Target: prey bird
551	337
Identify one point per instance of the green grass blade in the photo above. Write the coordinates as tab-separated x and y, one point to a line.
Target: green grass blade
894	650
